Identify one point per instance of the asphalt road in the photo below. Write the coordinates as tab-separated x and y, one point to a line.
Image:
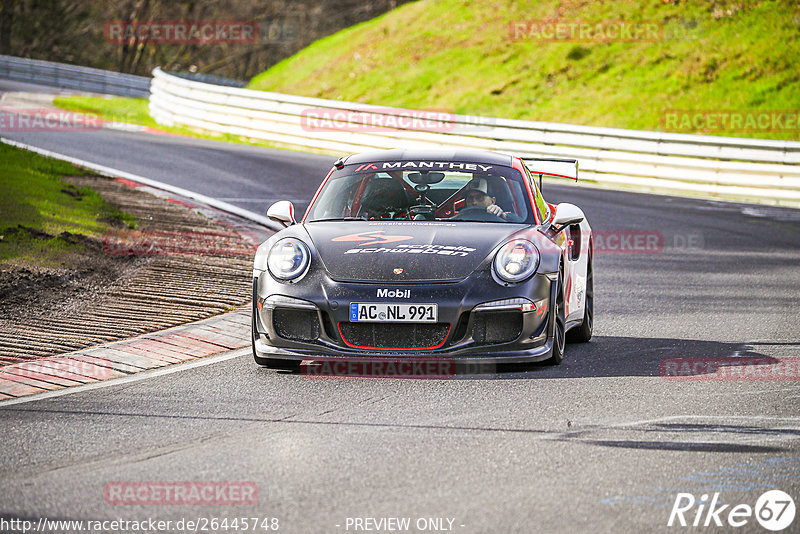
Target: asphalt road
259	177
602	443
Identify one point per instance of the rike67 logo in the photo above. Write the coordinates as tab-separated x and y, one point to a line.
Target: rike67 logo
774	510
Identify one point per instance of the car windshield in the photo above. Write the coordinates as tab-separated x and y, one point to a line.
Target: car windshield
486	194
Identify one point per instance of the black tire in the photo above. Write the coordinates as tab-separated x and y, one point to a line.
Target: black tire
583	333
281	365
559	334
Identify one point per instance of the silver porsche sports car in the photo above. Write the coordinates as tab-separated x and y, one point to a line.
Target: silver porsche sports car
442	254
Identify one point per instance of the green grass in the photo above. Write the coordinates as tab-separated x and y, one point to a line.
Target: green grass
459	56
39	206
118	109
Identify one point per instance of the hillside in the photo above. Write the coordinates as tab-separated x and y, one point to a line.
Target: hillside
90	32
463	57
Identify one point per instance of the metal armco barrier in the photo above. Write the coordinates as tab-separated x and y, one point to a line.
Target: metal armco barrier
754	169
74	77
747	169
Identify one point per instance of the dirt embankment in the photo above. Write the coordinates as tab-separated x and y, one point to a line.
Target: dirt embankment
178	266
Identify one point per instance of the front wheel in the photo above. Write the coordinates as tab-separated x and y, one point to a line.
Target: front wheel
559	330
583	333
280	365
270	363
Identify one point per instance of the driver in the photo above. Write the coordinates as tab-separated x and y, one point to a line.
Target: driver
476	196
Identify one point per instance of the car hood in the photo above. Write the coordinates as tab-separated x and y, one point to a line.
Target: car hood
405	252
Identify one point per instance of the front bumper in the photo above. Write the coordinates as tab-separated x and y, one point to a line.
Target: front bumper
310	320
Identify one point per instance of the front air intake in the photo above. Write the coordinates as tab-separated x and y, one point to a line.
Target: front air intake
394	336
296	325
496	327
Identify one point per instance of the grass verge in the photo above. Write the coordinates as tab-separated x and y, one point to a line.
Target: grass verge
44	218
466	57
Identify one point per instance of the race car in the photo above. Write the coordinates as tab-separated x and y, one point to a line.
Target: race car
429	253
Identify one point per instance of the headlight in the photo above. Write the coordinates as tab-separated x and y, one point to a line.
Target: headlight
516	261
288	259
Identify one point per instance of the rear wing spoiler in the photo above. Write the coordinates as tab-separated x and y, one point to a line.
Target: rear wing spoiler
558	167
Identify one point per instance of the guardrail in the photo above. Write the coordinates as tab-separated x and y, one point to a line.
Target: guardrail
209	78
74	77
721	166
748	169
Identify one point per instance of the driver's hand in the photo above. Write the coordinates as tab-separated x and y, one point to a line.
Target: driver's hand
496	210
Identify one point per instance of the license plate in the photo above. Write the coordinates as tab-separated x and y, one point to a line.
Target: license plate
380	312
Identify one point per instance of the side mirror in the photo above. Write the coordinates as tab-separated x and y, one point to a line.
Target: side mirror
282	212
566	215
